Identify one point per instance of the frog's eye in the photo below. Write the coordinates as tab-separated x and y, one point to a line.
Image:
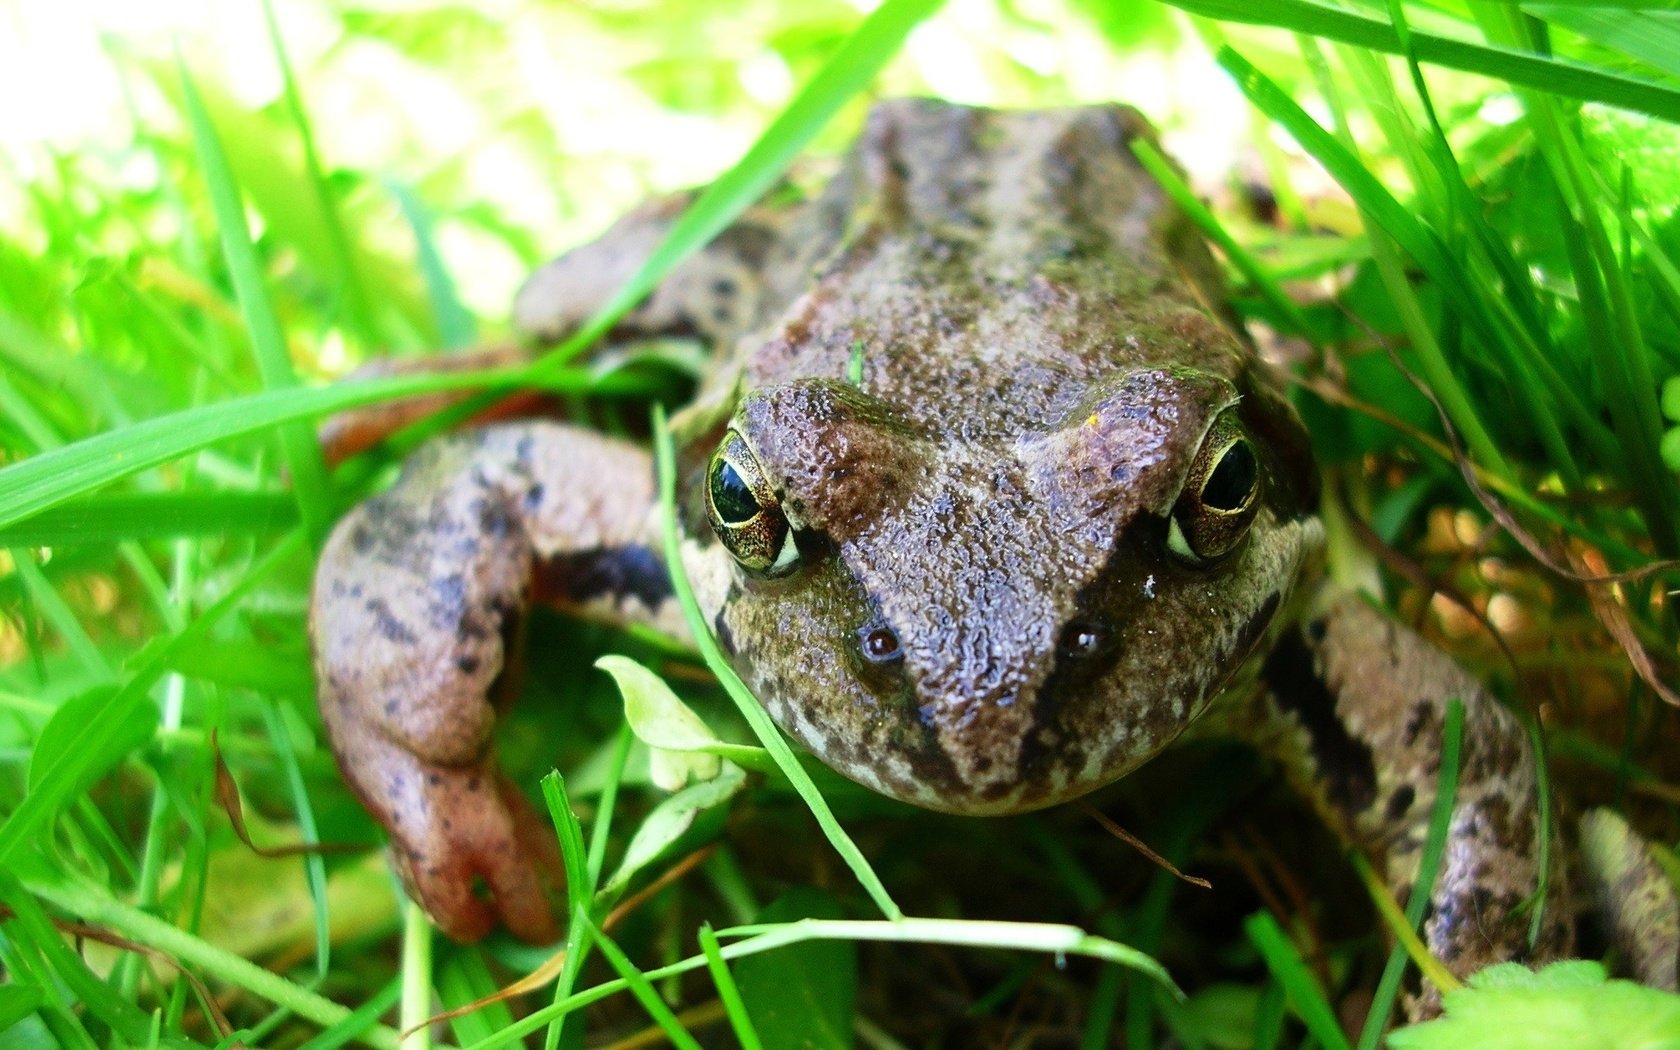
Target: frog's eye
1220	496
744	510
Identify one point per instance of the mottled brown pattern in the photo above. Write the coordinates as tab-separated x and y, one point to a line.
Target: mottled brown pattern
417	592
1387	693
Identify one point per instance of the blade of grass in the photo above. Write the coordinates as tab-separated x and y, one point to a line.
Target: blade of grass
750	708
1429	866
301	451
124	1018
598	833
314	864
348	273
1651	37
580	891
1625	363
1187	201
359	1020
730	995
464	978
95	907
51	605
1297	980
416	1006
106	519
1377	205
52	783
1536	71
56	1010
50	478
1052	938
1513	314
848	71
454	322
641	988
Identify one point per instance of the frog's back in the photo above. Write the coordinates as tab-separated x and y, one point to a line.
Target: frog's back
982	270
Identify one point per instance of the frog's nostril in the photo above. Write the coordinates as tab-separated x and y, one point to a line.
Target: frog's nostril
880	644
1082	639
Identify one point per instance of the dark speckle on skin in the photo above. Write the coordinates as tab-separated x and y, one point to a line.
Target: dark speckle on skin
1400	803
1421	717
388	625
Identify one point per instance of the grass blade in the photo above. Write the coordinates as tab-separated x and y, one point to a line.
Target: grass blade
107	720
1537	71
349	274
1409	234
1429	866
1286	965
119	516
728	993
297	442
45	480
851	68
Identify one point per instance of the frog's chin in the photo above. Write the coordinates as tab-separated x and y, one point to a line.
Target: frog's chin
1056	785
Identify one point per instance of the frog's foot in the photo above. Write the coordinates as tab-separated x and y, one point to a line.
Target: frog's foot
467	845
1357	706
417	592
1635	898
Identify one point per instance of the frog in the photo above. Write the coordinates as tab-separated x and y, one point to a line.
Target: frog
987	496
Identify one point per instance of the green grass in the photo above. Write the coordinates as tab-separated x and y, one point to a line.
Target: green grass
171	309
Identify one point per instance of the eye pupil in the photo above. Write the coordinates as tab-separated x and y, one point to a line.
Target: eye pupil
1082	639
734	501
880	644
1232	481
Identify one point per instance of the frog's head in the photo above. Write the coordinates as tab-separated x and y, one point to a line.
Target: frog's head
982	626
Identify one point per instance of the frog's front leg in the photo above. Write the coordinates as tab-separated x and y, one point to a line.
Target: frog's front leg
1357	705
418	594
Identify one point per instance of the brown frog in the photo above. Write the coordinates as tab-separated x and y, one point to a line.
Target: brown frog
987	498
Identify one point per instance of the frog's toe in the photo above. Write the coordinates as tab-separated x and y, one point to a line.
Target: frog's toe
473	853
444	889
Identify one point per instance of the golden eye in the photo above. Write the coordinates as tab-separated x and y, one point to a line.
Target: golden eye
1220	496
744	511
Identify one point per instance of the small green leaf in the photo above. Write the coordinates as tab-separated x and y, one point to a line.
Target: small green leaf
1566	1005
678	741
670	820
65	737
1671	398
683	746
656	715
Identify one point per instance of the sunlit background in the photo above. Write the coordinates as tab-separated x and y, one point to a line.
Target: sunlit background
551	118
